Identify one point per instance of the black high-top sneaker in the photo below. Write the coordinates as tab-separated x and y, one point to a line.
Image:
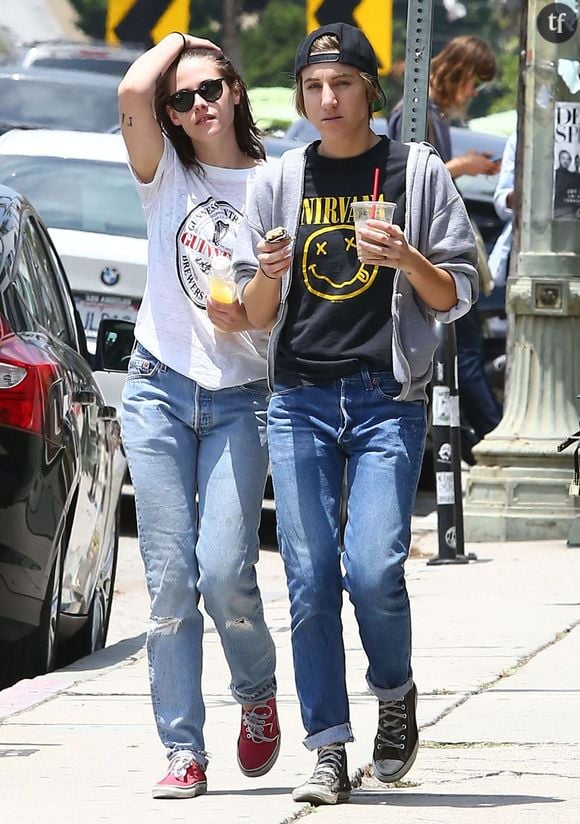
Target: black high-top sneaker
329	783
397	739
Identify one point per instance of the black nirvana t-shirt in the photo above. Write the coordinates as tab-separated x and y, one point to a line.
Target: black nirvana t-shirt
339	309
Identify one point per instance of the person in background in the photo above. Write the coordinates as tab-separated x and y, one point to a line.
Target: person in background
500	255
350	356
503	200
194	404
457	75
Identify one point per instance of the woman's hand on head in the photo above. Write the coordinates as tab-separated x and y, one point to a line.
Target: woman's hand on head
274	258
193	42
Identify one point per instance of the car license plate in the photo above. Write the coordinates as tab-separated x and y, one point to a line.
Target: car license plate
93	307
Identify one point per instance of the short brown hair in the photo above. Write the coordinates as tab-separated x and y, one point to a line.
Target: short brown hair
246	131
462	58
329	43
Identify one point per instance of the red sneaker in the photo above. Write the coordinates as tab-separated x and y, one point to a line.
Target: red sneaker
259	741
184	779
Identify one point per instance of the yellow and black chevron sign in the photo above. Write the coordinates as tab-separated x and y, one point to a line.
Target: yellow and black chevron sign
145	21
373	17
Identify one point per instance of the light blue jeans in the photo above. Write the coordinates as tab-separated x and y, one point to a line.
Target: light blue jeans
316	434
181	441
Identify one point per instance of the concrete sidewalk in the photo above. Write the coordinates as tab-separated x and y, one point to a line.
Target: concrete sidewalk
497	664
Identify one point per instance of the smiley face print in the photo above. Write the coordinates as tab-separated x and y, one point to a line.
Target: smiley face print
330	267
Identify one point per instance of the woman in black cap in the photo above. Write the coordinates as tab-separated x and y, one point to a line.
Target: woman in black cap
349	358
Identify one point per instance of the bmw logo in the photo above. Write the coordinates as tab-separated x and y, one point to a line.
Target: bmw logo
110	276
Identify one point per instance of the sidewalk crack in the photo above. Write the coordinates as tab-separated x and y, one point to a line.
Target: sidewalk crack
520	663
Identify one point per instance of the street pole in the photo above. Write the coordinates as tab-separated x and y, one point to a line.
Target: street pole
518	490
446	437
417	62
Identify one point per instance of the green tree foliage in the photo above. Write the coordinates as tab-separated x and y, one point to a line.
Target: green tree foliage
268	48
269	30
92	17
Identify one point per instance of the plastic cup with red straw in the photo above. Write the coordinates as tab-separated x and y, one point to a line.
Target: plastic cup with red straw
375	190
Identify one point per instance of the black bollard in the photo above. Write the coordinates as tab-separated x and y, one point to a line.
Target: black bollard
455	440
446	434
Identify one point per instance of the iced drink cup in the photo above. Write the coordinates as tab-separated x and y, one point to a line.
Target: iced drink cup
363	210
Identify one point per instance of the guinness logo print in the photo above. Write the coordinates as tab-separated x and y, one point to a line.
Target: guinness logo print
208	231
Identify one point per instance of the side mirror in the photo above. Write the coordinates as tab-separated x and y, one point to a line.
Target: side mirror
115	339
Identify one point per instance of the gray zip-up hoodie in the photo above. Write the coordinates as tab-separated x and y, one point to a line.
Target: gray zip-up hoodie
436	224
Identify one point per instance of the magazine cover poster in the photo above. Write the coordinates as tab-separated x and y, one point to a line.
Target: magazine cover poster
566	205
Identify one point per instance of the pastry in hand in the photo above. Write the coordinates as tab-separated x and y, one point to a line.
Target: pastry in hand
276	235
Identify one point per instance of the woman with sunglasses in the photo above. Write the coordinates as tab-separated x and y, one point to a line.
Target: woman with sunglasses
457	74
350	355
194	404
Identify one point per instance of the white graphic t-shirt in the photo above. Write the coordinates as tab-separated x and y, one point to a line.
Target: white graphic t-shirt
191	218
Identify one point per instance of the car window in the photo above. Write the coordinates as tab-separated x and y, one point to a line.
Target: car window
84	195
62	286
54	315
22	297
75	105
86	64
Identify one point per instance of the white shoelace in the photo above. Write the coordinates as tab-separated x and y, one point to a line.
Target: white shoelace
180	762
392	724
255	722
329	764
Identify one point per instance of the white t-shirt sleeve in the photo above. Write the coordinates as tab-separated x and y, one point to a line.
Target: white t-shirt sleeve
148	191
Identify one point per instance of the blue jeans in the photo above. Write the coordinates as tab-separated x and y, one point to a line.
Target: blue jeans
316	434
478	403
181	441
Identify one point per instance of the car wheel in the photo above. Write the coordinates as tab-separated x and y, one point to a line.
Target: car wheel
93	635
45	638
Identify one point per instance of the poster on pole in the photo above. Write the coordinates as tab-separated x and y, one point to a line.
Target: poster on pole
566	201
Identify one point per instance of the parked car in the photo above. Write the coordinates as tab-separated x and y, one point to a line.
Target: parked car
93	56
35	98
81	186
477	191
61	463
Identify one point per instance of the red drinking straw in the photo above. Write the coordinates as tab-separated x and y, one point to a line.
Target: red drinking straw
375	189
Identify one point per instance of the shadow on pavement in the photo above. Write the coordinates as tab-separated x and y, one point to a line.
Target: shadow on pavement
110	655
362	797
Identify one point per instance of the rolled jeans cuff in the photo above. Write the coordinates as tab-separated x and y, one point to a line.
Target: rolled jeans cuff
259	696
199	756
341	734
390	695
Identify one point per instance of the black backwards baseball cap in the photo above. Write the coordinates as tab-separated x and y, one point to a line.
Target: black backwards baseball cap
354	50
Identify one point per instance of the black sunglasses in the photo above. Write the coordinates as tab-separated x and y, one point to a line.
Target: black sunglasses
210	90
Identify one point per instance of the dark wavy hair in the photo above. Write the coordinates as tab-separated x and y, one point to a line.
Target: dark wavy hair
246	131
462	58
